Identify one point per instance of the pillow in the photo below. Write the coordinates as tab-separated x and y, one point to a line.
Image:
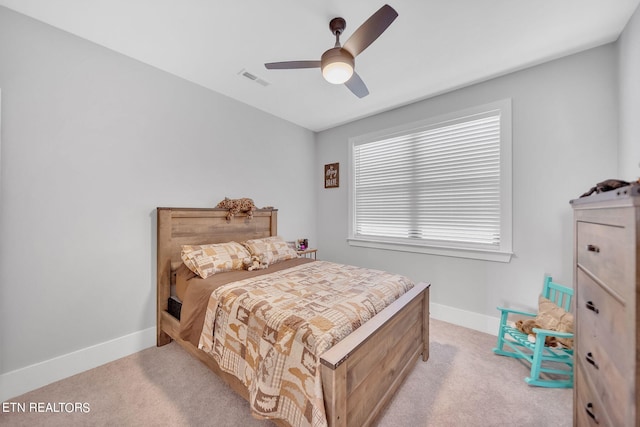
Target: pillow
207	260
270	249
555	318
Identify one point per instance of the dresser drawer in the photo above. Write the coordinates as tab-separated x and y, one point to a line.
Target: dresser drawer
602	326
607	252
589	410
613	389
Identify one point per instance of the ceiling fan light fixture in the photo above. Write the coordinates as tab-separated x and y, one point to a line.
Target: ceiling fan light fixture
337	65
337	72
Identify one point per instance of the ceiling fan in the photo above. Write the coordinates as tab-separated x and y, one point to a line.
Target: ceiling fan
337	64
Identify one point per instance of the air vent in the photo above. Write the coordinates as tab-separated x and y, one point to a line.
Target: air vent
253	77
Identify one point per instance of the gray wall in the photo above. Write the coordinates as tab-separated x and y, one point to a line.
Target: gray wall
629	69
564	139
92	143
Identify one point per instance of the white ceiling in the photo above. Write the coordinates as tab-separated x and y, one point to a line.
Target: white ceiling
432	47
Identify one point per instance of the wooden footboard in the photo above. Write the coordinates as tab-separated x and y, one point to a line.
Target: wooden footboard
360	374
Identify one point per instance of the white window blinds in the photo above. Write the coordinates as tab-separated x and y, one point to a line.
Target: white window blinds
436	184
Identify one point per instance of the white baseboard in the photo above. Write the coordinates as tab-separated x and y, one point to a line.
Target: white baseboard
468	319
31	377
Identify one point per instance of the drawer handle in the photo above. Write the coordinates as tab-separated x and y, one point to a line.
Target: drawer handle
593	248
592	307
589	409
589	358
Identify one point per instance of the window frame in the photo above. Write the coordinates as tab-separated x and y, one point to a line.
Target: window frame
504	251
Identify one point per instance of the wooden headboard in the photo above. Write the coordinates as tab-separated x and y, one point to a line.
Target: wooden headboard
197	226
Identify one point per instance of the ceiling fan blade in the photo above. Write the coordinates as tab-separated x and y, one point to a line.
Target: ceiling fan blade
288	65
357	86
368	32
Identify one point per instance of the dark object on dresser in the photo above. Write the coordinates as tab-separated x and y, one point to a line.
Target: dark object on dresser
606	185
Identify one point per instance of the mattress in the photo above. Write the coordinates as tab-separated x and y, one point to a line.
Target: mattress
195	293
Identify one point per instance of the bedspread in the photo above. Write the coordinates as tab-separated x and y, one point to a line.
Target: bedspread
271	330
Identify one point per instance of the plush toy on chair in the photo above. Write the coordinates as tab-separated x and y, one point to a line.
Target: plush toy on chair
527	326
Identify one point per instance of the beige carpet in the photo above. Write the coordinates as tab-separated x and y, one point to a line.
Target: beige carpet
462	384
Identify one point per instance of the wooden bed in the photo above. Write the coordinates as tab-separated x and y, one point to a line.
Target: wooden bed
360	374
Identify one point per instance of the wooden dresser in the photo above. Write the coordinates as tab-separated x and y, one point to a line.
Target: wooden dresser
606	282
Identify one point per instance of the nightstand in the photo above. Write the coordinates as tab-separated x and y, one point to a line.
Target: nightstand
307	253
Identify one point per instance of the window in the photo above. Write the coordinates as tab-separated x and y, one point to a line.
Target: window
440	186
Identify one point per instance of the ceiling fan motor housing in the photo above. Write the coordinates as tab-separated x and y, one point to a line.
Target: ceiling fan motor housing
337	65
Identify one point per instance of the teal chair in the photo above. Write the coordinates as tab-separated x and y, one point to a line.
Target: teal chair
543	359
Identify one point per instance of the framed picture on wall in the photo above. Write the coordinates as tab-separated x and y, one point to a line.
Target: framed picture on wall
332	175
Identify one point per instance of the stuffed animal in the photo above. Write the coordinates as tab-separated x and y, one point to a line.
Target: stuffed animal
236	206
254	263
527	326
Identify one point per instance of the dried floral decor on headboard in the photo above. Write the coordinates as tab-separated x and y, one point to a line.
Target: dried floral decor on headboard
236	206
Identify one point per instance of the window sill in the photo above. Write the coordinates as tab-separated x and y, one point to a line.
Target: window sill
481	254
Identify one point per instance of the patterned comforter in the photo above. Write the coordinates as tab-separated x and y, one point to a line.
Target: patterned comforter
271	330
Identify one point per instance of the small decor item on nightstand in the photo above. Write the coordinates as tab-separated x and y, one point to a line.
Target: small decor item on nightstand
302	247
303	244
